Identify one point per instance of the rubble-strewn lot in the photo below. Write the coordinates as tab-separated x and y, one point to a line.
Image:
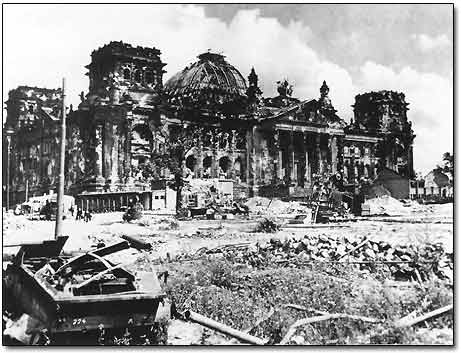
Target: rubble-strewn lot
372	271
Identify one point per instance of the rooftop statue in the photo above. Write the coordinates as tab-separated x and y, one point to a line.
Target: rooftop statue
284	88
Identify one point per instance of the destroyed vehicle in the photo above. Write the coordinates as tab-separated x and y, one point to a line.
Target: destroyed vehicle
301	219
240	209
84	300
48	211
197	211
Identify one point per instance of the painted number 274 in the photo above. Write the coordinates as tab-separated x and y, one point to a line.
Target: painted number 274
78	321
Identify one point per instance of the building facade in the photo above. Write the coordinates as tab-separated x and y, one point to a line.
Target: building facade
268	145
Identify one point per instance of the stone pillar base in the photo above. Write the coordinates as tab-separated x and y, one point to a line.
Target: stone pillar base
255	190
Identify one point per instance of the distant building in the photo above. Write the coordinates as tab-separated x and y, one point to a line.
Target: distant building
33	116
266	145
437	184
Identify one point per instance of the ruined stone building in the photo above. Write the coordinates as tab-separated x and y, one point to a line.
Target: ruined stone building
268	145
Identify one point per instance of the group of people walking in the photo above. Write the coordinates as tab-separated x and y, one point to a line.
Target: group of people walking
80	214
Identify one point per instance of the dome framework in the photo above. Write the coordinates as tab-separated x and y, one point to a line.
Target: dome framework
211	73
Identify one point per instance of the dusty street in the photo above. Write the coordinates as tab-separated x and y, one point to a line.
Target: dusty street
425	223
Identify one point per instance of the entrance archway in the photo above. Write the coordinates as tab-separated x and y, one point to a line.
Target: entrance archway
191	163
207	167
224	163
238	167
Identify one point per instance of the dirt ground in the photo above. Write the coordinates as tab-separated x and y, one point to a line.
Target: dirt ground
434	224
171	239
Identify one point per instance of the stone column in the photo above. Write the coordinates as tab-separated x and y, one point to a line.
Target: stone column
334	154
99	154
318	152
114	177
107	150
232	148
291	158
248	167
307	167
129	126
253	161
277	157
121	151
215	147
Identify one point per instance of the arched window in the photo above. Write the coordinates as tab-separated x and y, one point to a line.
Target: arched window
150	78
138	76
31	108
207	167
191	162
224	164
127	74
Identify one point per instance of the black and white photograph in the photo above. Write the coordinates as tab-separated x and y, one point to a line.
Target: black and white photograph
228	174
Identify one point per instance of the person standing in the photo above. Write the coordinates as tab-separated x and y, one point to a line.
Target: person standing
357	202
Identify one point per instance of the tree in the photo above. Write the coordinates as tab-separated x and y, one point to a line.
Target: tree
448	160
179	141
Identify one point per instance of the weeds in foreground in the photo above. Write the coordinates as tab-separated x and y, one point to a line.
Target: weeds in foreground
239	296
267	225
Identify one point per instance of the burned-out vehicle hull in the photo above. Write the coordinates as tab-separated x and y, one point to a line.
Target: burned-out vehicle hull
81	300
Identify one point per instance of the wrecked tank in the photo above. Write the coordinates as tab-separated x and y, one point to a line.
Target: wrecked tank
81	300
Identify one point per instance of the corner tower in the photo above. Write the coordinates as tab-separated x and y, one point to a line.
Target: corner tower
384	114
119	72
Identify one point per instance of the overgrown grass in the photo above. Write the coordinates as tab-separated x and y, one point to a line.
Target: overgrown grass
238	296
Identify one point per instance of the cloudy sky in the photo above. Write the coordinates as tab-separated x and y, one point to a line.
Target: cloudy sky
355	48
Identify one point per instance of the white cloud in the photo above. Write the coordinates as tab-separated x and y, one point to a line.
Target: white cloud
430	110
428	43
182	32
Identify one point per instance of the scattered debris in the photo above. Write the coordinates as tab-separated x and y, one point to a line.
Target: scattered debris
410	320
207	322
387	206
402	261
310	320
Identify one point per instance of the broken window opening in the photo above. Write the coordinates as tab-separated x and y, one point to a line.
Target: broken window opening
127	74
138	76
150	78
207	167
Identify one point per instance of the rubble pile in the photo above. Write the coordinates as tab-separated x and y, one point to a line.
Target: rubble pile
265	206
387	206
201	234
405	262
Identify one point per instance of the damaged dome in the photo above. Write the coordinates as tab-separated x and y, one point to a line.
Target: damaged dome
212	73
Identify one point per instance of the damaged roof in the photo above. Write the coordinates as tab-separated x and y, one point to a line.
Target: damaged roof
212	72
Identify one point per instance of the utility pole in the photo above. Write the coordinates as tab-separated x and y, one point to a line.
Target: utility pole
27	190
9	132
60	196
